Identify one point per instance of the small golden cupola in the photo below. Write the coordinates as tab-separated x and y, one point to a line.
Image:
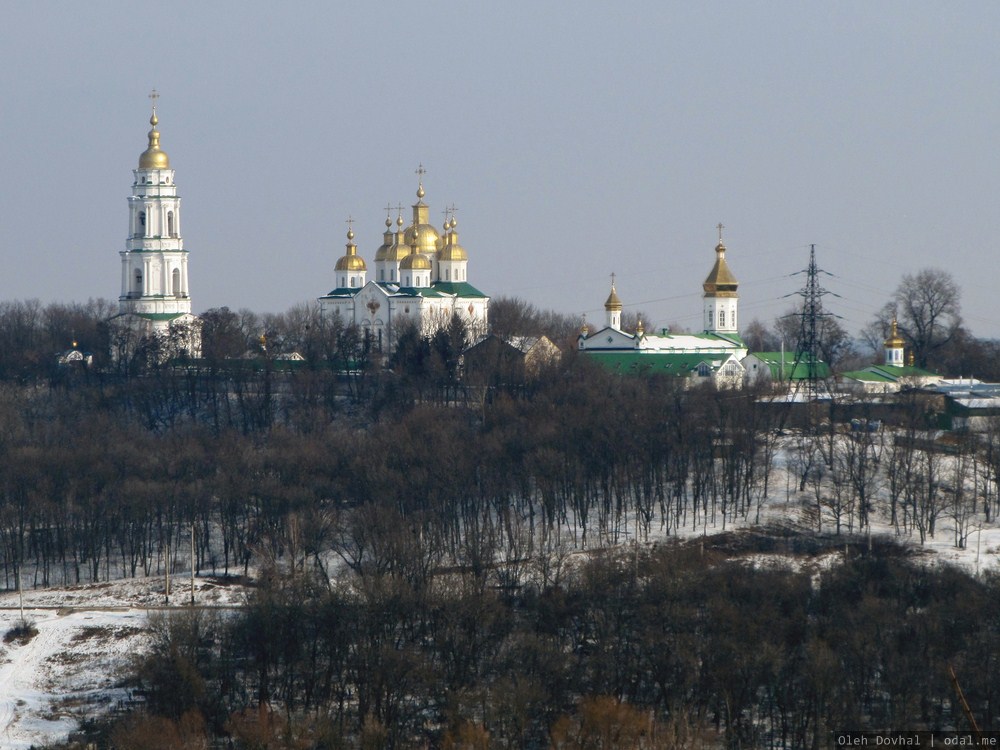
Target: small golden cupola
399	248
351	267
450	249
721	297
154	157
720	280
452	260
894	347
613	307
415	268
383	251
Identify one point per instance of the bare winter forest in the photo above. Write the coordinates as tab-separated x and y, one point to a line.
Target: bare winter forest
501	561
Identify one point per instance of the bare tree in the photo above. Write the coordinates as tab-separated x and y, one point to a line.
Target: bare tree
927	309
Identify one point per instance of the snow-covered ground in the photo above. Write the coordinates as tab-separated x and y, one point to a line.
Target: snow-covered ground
87	638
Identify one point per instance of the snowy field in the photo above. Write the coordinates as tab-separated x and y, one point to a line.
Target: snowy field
87	638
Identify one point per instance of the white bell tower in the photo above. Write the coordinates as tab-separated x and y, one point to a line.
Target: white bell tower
154	261
721	298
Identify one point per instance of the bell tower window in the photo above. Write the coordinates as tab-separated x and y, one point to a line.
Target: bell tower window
170	224
175	279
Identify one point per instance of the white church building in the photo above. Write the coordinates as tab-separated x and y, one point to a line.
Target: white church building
715	354
155	299
420	278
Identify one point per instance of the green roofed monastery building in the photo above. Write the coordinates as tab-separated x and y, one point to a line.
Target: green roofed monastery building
894	375
714	355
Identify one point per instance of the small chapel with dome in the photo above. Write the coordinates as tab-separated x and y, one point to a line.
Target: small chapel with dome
420	278
716	353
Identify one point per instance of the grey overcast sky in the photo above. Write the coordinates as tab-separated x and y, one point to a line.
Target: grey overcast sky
576	138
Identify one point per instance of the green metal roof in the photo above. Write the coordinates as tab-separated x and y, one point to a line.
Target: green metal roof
458	288
160	316
868	376
783	366
637	362
902	372
425	292
344	291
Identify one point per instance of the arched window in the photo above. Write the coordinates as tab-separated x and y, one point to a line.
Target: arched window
170	224
142	224
138	281
447	275
722	318
175	282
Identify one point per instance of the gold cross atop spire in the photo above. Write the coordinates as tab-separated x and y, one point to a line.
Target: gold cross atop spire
612	279
420	171
154	95
721	226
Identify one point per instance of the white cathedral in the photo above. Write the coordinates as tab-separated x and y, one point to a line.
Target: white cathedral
155	298
420	279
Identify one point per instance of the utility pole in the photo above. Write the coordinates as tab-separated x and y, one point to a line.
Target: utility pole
807	349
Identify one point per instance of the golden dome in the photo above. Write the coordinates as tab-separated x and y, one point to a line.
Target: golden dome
613	303
351	261
720	281
393	248
153	157
415	262
895	341
383	250
428	240
450	249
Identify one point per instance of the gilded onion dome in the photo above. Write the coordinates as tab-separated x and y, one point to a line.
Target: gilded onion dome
153	157
415	262
351	261
399	249
428	239
613	304
383	250
720	281
450	249
895	341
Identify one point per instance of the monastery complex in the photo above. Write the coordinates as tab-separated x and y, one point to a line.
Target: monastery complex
420	277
